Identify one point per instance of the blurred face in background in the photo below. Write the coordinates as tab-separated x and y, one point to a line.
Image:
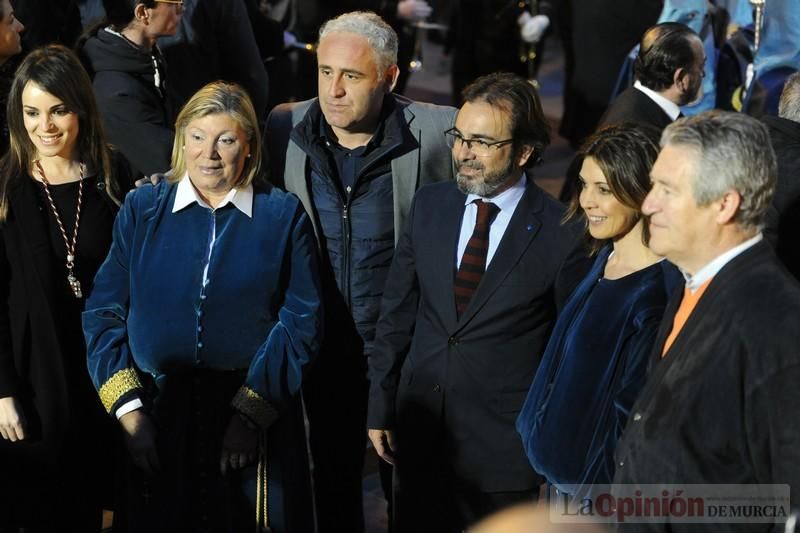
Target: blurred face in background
693	79
163	19
10	29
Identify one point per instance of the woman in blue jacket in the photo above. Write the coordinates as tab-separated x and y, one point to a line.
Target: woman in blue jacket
202	323
595	362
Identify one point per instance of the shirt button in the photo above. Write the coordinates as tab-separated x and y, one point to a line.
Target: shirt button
199	328
199	344
637	417
437	388
203	296
199	312
452	341
621	464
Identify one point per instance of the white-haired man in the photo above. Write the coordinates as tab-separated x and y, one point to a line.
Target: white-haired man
354	156
720	404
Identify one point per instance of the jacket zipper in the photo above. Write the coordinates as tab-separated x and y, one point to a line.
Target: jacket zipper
346	251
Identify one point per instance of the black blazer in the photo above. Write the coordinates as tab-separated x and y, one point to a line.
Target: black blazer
721	406
784	219
632	105
35	366
455	382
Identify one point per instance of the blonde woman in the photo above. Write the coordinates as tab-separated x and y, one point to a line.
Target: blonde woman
201	326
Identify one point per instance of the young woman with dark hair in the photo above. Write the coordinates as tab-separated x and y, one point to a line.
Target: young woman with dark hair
596	359
60	187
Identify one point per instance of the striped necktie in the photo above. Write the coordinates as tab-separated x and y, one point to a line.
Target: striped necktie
473	262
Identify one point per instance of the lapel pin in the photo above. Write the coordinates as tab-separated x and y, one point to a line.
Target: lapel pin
530	227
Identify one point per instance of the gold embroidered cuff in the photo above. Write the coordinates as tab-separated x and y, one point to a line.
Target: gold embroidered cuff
119	384
253	406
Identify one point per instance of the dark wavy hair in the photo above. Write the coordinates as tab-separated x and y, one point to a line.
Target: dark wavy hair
516	95
57	70
665	48
625	153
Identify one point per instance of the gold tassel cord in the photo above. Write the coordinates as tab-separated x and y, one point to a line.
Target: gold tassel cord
262	504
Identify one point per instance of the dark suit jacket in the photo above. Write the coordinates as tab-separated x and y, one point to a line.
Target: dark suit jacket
720	407
784	219
457	384
632	105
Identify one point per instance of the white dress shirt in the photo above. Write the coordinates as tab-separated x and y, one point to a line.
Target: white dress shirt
669	107
711	269
507	202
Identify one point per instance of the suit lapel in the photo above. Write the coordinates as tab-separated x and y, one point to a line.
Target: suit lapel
33	228
297	182
444	244
522	228
405	176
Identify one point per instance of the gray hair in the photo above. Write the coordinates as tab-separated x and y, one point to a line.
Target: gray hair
733	151
381	37
789	105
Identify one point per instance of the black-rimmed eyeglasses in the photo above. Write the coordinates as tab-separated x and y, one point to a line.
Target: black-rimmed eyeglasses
479	147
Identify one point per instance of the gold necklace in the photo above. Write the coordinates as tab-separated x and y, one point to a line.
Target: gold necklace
74	283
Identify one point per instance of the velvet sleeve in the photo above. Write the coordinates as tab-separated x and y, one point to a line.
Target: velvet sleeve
276	372
105	316
634	359
394	331
9	380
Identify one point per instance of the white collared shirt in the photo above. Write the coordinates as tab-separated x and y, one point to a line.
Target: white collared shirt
242	199
507	202
669	107
711	269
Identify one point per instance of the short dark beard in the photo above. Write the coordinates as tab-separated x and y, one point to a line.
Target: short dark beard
492	184
690	97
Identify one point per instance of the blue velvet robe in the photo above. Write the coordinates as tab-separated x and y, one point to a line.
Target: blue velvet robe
260	314
590	375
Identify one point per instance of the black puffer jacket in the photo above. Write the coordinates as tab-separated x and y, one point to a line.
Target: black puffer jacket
357	229
130	87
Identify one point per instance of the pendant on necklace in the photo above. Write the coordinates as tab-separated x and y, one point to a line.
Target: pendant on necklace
75	285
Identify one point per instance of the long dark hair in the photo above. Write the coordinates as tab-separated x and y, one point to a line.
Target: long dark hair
625	154
57	70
